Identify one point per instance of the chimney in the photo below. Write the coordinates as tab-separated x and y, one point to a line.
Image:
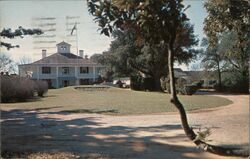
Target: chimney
81	53
43	53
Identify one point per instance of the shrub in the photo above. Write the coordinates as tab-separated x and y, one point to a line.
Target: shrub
140	83
41	87
24	88
181	86
148	84
7	90
233	84
198	84
136	82
14	88
188	90
165	86
184	88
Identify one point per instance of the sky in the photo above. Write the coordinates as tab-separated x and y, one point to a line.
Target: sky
25	13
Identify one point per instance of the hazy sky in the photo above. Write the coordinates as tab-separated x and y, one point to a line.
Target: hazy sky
21	12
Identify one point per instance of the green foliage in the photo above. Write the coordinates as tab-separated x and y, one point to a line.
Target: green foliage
226	15
153	22
137	82
144	31
20	32
182	87
227	27
234	83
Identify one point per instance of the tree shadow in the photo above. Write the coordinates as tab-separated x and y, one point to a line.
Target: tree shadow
24	132
92	111
205	92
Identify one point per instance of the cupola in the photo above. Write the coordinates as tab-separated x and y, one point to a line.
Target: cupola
63	47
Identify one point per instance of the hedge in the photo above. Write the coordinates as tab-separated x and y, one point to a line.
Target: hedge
19	89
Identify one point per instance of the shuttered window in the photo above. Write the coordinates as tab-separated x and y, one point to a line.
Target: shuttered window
84	70
46	70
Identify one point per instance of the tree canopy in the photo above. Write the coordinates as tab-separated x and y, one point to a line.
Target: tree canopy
227	27
149	32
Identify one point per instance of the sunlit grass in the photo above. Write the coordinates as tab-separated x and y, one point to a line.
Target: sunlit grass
115	101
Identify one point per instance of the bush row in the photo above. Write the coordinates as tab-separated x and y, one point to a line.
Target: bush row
233	85
140	83
181	86
15	88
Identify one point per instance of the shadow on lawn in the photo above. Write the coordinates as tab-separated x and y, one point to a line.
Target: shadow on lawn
91	111
25	132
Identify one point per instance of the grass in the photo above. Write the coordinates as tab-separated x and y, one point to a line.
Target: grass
114	101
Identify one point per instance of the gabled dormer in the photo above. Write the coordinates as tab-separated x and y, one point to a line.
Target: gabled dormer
63	47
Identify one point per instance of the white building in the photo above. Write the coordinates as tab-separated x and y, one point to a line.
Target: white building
62	68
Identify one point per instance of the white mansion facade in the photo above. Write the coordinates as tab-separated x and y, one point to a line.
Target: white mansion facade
62	68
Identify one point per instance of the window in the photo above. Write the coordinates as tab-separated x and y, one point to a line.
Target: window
46	70
65	70
84	70
63	47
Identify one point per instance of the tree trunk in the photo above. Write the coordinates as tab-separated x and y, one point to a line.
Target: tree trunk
219	75
187	129
157	82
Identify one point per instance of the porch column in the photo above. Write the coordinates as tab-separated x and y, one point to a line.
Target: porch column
57	82
37	72
94	73
77	81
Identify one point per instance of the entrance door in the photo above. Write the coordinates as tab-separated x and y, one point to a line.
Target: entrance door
65	83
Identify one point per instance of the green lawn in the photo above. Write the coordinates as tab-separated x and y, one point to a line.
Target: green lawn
115	101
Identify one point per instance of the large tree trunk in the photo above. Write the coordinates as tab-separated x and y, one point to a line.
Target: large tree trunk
219	74
157	82
188	130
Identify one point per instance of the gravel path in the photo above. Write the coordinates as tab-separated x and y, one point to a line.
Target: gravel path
137	136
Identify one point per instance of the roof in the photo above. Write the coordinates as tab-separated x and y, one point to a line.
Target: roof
179	73
64	58
63	43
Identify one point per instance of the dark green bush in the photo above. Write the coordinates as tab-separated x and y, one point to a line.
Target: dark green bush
198	84
233	84
136	82
148	84
140	83
181	86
